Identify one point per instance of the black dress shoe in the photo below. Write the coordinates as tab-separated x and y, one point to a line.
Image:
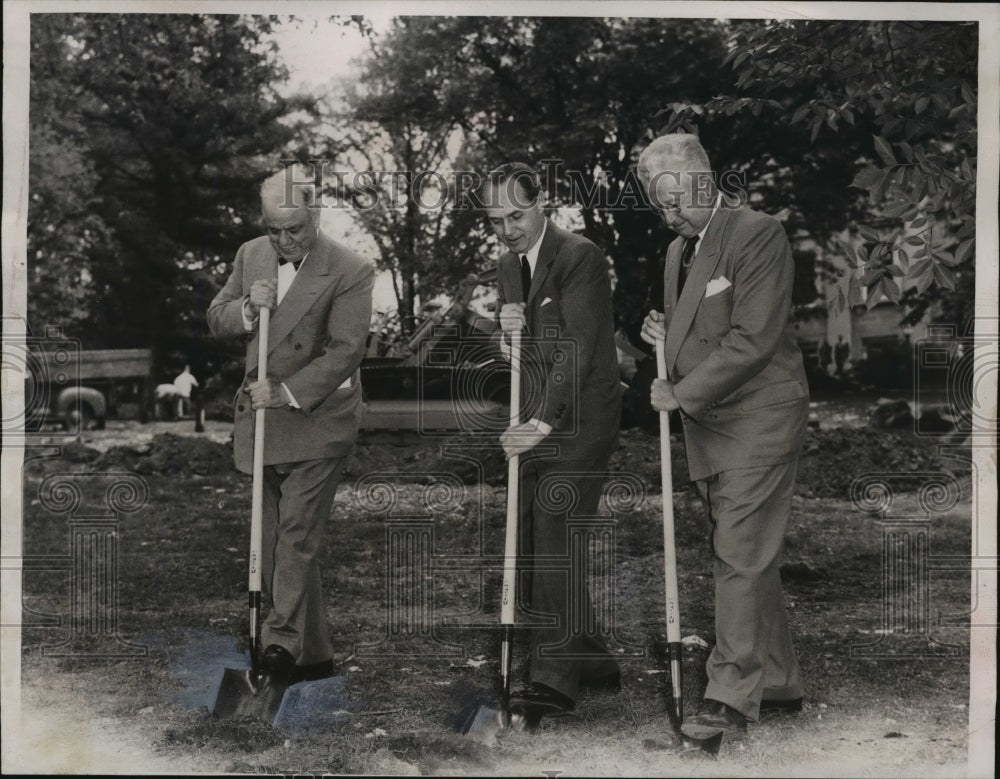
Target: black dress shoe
277	661
312	672
786	706
537	700
713	718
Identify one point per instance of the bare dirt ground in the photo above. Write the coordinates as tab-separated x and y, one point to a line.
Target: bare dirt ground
897	710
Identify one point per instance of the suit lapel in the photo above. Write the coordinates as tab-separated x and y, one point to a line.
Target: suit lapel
310	280
685	307
546	253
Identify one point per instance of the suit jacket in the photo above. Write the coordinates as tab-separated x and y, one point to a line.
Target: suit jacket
316	340
730	347
570	376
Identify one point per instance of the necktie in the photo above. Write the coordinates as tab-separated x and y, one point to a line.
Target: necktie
295	264
525	276
687	257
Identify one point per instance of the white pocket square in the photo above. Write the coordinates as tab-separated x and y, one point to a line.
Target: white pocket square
715	286
546	302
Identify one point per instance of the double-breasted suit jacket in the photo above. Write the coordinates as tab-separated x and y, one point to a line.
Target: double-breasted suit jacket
316	340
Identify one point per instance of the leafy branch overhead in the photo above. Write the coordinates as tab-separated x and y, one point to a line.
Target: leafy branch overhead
902	97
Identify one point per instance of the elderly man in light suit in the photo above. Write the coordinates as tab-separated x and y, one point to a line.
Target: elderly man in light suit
553	285
736	374
320	293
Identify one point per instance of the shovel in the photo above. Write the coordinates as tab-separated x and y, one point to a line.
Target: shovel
674	647
670	552
252	692
486	720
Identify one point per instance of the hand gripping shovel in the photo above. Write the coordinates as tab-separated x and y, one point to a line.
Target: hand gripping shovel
485	719
252	692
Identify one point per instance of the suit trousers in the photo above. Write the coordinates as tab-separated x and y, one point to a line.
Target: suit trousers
565	638
753	657
298	499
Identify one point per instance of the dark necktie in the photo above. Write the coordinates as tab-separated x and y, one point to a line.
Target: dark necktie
525	276
687	257
295	264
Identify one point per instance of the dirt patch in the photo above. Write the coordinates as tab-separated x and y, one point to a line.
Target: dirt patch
169	454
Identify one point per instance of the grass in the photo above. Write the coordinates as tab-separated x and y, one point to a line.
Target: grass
181	565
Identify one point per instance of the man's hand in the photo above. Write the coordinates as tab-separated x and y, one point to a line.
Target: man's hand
263	294
652	328
267	394
519	439
661	395
512	317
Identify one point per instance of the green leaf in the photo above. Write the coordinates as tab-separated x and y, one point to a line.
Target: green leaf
884	150
907	151
889	288
917	223
862	254
923	281
867	178
921	105
946	257
944	277
967	94
964	250
868	234
895	270
874	296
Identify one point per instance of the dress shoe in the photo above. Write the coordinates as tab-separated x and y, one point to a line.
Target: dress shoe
537	700
786	706
609	682
714	717
312	672
277	661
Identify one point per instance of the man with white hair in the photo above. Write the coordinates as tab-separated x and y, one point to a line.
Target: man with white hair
735	374
320	294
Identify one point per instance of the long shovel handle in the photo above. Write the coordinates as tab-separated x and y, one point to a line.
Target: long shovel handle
669	547
257	499
510	538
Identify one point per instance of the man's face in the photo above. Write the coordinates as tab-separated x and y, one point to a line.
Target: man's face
515	219
683	199
292	230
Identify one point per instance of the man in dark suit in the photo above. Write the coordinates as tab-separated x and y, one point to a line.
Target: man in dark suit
320	294
553	286
736	374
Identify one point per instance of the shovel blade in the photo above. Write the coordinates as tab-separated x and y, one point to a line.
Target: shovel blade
244	692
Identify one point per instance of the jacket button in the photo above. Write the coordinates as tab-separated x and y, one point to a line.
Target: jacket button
241	408
298	347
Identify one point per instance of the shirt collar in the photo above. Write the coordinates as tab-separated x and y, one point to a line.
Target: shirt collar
532	253
701	235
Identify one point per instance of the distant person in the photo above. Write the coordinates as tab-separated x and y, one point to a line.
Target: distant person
321	296
825	356
840	354
736	375
553	286
184	383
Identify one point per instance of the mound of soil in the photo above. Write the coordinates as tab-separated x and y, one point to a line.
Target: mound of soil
833	459
168	453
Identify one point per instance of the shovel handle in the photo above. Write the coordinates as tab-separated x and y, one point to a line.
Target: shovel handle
257	500
669	547
510	537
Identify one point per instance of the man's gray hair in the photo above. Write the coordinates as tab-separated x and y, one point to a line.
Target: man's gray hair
290	187
681	151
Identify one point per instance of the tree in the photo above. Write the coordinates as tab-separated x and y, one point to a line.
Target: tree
576	96
168	123
900	98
